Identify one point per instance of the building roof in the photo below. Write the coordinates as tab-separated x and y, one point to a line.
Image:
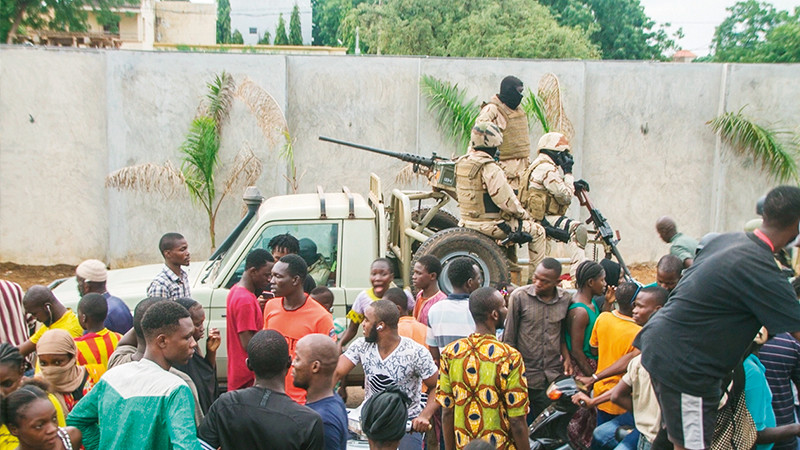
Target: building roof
684	54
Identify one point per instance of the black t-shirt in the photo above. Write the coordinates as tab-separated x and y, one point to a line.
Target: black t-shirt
309	284
732	289
259	418
205	380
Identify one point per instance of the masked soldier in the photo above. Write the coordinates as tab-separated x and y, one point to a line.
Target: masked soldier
548	193
485	199
504	111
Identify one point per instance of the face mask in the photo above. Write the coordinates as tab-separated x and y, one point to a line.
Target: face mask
511	92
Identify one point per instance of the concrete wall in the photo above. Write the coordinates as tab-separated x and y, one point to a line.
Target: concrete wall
641	139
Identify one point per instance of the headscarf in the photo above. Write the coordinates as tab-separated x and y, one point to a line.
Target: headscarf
384	415
70	376
612	271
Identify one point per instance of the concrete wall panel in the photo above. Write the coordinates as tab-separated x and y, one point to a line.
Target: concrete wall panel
641	138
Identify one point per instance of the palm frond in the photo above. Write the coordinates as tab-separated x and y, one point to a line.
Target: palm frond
406	175
454	114
246	169
219	98
162	179
550	93
759	145
268	114
200	159
534	109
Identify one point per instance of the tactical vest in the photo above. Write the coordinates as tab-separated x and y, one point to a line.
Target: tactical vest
539	202
473	200
516	141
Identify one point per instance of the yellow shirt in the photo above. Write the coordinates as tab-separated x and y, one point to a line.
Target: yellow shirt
10	442
68	322
613	335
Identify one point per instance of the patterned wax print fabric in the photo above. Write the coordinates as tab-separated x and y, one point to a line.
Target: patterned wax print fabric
482	379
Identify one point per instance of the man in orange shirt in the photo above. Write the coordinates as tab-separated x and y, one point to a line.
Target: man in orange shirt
293	313
407	326
98	343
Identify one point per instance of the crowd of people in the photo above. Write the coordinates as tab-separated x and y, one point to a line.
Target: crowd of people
705	357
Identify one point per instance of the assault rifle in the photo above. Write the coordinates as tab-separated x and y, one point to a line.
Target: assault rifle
441	171
604	230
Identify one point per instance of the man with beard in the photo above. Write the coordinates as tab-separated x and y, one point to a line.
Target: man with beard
504	111
389	359
314	361
45	307
482	387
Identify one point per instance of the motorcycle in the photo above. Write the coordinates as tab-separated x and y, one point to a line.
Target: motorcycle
549	430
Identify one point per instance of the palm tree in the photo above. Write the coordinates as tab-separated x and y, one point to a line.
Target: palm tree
775	152
200	163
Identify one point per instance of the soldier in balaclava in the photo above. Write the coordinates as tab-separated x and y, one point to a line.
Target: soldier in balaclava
504	111
486	200
548	193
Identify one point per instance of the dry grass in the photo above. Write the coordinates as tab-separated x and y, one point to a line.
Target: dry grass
550	94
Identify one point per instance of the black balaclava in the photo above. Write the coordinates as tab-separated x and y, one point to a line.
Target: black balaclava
511	91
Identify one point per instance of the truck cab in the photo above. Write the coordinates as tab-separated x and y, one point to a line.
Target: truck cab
329	220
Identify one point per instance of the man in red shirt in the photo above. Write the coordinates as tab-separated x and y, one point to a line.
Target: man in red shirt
293	313
244	317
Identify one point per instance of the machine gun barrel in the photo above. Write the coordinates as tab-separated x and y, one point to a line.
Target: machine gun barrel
603	229
407	157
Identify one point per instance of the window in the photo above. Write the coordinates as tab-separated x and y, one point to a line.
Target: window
253	30
319	243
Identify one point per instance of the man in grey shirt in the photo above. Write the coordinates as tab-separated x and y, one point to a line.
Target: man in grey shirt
534	327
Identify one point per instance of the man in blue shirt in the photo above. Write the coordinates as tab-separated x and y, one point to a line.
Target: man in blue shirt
314	362
91	276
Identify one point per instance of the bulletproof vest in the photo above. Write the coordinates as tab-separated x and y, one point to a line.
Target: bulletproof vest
516	141
474	201
535	198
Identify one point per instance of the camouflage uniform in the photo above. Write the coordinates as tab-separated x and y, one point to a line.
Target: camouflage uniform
548	195
486	200
516	148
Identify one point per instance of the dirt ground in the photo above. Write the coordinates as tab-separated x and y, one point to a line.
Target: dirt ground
27	276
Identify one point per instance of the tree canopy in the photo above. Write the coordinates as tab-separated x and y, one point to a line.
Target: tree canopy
223	22
482	28
295	33
611	29
16	16
280	32
620	28
757	32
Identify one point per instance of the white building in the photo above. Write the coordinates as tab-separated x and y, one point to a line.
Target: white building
253	17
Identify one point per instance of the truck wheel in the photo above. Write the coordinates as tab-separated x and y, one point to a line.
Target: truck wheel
441	221
452	243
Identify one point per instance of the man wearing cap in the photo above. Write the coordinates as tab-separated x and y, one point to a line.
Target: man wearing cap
486	200
91	276
504	111
548	191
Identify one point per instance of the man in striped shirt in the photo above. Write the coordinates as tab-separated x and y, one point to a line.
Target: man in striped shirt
781	359
98	343
13	328
449	319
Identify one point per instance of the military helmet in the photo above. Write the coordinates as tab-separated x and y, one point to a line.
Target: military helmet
485	135
554	141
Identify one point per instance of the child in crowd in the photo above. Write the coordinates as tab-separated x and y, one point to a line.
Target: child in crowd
98	343
380	277
427	271
324	297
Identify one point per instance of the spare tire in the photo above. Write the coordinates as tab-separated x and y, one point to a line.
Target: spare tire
441	221
452	243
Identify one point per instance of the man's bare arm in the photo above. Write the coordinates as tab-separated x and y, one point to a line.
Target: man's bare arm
343	367
519	431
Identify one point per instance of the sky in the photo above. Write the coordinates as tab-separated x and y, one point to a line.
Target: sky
698	18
